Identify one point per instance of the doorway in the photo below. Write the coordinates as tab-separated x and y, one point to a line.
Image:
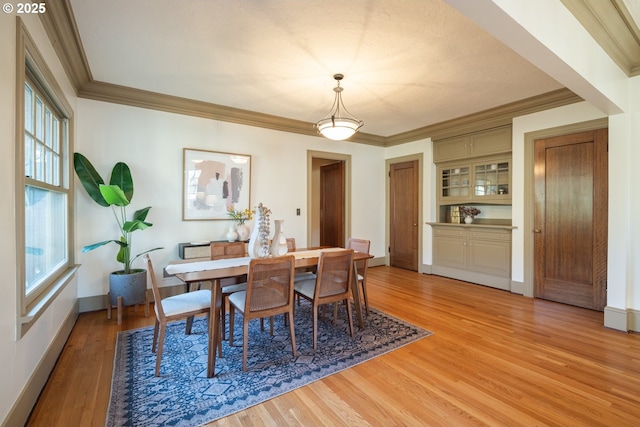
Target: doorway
404	212
570	219
328	198
529	225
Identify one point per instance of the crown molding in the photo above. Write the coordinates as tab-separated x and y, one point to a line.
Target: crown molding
61	29
610	23
117	94
488	119
60	26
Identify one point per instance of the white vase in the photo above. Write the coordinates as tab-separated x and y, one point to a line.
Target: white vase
231	235
259	241
468	219
244	231
279	242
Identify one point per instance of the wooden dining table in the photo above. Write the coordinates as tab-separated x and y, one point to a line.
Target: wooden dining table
214	271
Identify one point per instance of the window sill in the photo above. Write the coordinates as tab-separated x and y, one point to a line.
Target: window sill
35	310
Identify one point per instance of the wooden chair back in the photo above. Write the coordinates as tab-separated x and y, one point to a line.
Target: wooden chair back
154	288
269	286
363	246
335	270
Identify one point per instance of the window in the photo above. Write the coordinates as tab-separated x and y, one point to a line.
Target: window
44	191
45	200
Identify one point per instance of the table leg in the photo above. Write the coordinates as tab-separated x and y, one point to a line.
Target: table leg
214	326
356	296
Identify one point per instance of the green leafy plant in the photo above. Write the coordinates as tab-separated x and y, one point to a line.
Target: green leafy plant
117	195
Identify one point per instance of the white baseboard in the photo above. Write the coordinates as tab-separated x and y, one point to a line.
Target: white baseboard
622	319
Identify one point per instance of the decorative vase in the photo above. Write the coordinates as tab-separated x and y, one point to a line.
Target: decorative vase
468	219
243	231
279	242
259	241
231	235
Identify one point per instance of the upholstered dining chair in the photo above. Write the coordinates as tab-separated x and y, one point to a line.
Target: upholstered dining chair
363	246
177	307
332	284
269	292
224	250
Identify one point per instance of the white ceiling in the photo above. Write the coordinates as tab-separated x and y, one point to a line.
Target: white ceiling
407	63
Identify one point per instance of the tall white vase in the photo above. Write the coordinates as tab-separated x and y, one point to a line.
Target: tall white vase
259	241
279	242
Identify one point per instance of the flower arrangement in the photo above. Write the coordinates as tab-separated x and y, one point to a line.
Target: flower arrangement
240	216
469	211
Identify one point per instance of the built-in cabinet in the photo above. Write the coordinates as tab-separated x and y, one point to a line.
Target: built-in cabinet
473	169
484	181
474	253
478	144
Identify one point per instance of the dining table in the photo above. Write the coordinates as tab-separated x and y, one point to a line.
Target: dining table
213	271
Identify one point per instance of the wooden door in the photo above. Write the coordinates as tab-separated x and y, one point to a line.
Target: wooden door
332	204
570	219
403	215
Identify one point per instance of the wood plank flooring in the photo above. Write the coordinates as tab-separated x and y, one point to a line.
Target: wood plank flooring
495	359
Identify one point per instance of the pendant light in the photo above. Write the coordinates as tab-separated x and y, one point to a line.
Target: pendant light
339	124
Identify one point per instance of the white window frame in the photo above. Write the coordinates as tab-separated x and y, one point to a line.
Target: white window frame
32	68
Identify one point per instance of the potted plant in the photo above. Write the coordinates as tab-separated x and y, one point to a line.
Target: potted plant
129	283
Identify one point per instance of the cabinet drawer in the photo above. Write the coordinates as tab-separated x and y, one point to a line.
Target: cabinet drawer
451	232
503	236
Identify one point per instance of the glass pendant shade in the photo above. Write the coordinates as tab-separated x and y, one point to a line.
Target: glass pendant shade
339	124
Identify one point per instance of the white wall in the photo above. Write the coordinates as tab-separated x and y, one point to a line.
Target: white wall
151	143
19	358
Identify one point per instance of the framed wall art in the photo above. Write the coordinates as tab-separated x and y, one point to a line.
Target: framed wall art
213	182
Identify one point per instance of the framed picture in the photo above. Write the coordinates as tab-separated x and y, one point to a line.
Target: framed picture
213	182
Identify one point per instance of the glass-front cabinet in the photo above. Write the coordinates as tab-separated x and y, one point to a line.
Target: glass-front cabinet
491	179
455	182
487	180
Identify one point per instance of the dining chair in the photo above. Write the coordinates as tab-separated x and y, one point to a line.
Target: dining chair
269	292
363	246
177	307
225	250
332	284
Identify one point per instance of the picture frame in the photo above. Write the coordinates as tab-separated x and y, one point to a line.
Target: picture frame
213	182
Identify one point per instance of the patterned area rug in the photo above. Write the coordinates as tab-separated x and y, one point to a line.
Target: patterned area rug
184	396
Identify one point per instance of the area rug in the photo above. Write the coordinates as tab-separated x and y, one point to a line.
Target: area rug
184	396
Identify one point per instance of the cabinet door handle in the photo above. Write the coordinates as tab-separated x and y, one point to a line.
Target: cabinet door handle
537	230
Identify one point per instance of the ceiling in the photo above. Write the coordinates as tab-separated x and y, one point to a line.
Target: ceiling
407	63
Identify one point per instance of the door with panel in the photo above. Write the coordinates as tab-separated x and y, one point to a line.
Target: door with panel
403	215
570	219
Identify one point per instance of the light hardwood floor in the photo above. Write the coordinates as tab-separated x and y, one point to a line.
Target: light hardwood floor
495	359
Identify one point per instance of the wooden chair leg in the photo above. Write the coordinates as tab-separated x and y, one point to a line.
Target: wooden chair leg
120	308
163	330
315	327
349	315
245	343
364	295
189	325
223	315
146	304
155	336
108	305
292	332
231	322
